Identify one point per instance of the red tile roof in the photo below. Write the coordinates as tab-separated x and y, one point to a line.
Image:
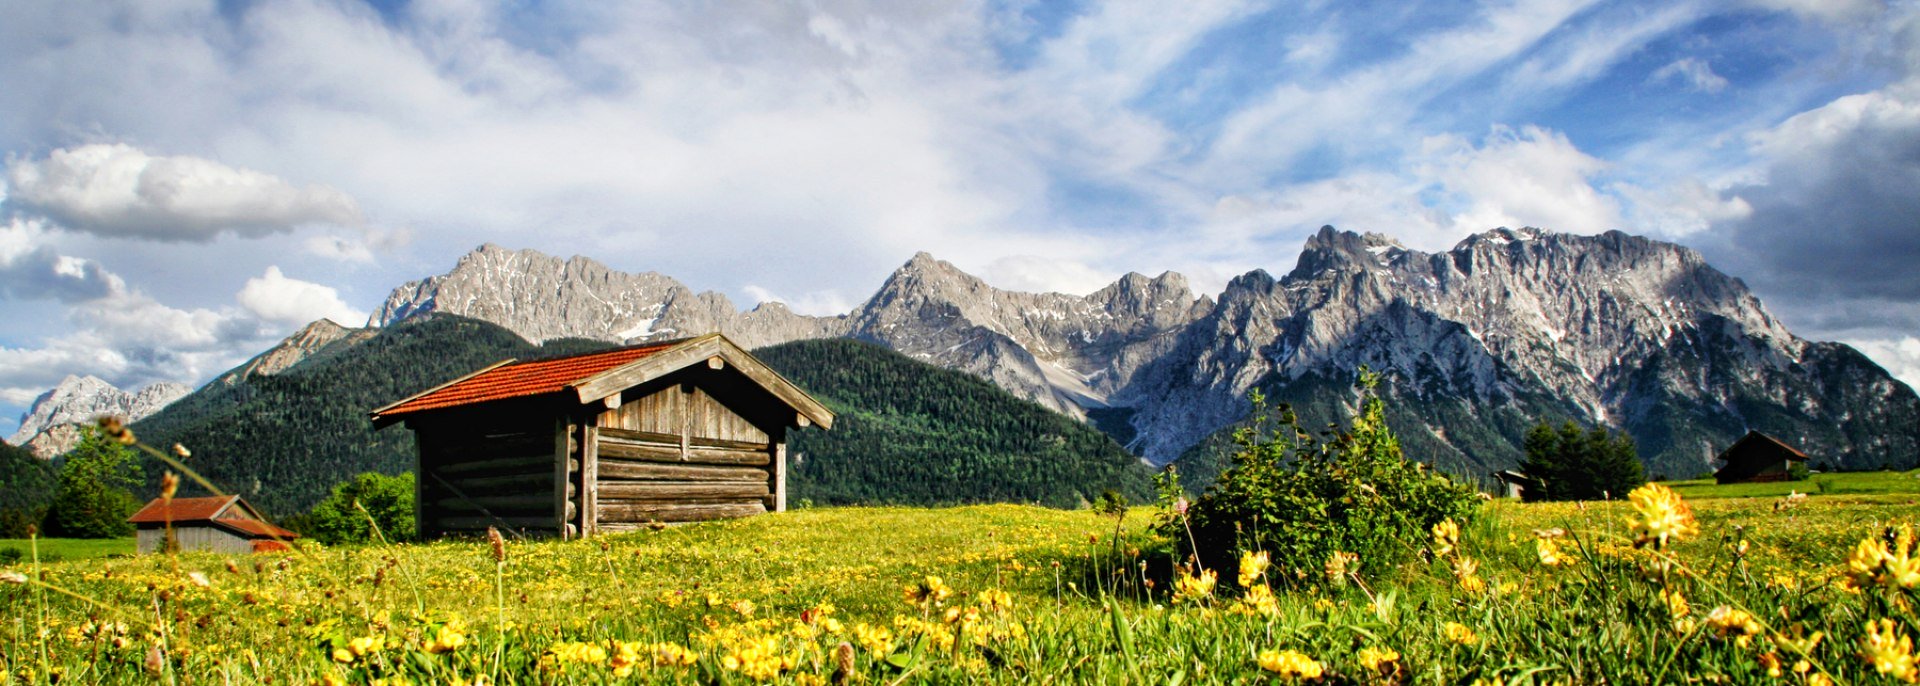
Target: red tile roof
206	511
181	509
525	379
257	529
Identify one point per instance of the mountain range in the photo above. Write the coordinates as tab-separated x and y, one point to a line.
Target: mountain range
1508	328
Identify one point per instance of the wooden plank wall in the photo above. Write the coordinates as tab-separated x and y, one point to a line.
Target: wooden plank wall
504	478
679	455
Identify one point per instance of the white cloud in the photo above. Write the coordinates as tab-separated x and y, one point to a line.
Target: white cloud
276	298
1681	209
1519	177
118	190
30	268
1696	74
1830	10
1900	356
817	303
1037	274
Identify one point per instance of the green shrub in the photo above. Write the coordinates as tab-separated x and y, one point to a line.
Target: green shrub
388	499
1302	498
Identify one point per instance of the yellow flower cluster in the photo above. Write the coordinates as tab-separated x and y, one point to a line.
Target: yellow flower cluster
444	638
1889	651
1460	633
876	640
1735	623
759	660
1548	552
1876	563
1290	664
1252	566
1260	601
559	656
1677	610
1446	538
1337	565
358	648
1192	588
1663	516
1382	661
929	593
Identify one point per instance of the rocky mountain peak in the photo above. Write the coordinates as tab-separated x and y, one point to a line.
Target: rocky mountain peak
49	427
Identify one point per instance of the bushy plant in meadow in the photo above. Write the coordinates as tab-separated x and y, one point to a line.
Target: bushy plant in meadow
1306	500
356	505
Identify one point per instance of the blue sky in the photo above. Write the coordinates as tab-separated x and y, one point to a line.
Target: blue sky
187	182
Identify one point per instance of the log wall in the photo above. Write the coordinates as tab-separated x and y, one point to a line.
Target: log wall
679	455
504	477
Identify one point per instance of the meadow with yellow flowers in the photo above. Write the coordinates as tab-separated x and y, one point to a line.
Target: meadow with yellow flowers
1656	589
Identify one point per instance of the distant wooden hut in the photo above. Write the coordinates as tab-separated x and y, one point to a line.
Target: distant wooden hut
221	524
677	431
1515	483
1757	457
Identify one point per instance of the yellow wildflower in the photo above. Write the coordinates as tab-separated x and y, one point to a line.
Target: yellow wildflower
1663	515
876	640
1548	552
673	655
1290	664
1379	660
1818	679
1733	622
1461	634
1259	600
445	638
995	601
1191	587
1771	661
1338	563
1252	566
1446	538
930	592
1875	563
1889	651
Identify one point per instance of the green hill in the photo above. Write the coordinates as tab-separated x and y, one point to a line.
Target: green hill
912	433
283	440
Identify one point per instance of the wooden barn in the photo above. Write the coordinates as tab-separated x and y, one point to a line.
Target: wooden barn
1757	457
221	524
677	431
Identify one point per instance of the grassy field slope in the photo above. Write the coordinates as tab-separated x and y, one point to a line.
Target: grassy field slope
1009	594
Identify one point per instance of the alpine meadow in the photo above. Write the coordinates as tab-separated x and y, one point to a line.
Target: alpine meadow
845	343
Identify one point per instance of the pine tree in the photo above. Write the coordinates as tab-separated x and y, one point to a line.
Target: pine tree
1573	464
95	498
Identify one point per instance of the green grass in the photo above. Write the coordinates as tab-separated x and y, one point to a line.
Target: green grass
793	586
56	549
1837	483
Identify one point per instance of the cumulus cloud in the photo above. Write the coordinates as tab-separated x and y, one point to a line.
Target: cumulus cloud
1901	356
1529	176
1694	73
276	298
1836	215
118	190
1037	274
32	269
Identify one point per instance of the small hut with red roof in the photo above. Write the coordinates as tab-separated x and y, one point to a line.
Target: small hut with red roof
677	431
221	524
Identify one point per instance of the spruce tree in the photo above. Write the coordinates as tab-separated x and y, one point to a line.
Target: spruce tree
95	498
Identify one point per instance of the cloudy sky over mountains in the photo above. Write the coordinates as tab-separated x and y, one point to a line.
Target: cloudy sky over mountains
186	182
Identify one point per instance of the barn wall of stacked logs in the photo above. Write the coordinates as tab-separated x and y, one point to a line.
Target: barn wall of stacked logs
666	452
678	454
489	466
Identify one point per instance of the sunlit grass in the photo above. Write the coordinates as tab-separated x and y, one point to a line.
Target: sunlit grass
1037	595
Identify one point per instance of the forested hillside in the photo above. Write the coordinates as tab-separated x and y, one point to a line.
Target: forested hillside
909	432
283	440
912	433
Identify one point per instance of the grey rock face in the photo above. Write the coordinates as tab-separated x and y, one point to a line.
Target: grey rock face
1610	329
301	345
48	428
541	297
1063	351
1506	328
